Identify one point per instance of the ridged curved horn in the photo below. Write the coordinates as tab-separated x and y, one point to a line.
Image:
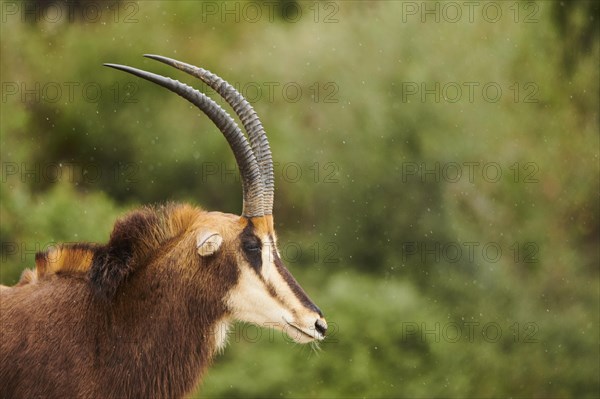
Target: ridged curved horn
247	115
252	183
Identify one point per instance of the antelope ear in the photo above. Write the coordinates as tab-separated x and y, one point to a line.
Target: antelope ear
208	242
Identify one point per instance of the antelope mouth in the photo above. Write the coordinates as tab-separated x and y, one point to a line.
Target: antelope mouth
302	336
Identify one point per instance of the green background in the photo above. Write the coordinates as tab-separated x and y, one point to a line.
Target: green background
437	176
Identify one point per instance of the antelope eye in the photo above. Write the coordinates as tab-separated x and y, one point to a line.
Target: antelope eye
252	246
252	251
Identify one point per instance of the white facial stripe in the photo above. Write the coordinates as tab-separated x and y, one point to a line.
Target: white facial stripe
284	291
272	276
253	299
304	318
267	258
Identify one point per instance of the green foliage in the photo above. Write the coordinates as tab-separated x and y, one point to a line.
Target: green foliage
364	229
32	223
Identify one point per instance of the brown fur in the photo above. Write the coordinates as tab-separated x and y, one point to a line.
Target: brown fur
130	319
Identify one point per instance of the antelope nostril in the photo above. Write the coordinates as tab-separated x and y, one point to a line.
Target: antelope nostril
321	326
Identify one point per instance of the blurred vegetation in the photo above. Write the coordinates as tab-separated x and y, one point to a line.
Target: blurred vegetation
367	234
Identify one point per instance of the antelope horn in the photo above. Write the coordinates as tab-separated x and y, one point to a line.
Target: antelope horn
247	115
252	183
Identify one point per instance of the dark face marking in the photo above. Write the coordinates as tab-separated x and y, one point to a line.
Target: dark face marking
294	286
251	247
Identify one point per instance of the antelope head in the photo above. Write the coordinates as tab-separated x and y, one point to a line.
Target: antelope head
237	256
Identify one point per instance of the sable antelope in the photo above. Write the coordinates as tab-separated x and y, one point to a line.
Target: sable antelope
143	315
